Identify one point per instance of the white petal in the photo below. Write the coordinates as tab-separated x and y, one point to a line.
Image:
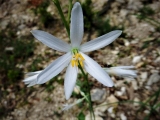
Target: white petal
124	67
77	29
94	69
70	80
32	83
51	41
54	68
32	80
33	73
100	42
122	71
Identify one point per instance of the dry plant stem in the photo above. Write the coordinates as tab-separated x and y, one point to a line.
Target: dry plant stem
57	4
89	94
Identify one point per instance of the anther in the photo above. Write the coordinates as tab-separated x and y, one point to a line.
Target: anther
77	58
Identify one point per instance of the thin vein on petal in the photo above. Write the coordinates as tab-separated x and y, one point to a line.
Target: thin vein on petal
77	27
51	41
94	69
54	68
100	42
70	80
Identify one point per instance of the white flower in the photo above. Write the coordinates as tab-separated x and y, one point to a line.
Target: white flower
74	54
122	71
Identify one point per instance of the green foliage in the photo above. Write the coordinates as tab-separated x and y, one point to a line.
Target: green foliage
13	75
153	104
14	52
34	66
49	86
155	43
83	85
21	49
105	27
88	14
145	45
145	12
48	99
45	17
158	28
81	116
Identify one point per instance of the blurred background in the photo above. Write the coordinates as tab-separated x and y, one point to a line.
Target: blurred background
139	45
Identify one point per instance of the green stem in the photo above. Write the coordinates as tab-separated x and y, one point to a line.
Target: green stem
57	4
154	102
88	89
69	11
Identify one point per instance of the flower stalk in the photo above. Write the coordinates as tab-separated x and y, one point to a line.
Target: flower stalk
57	4
88	90
69	11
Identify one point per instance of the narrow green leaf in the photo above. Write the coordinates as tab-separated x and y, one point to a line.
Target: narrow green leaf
81	116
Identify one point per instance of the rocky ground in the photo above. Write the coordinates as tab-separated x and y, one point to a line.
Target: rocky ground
139	45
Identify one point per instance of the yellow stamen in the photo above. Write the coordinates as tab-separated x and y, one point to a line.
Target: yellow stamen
76	62
82	58
77	59
72	62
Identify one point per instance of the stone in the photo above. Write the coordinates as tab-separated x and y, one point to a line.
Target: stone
155	6
119	93
146	112
144	76
110	109
111	112
154	78
123	89
102	107
21	27
119	83
126	43
136	100
133	19
112	99
9	48
4	24
123	13
136	59
134	84
97	117
98	95
120	1
157	60
123	117
134	5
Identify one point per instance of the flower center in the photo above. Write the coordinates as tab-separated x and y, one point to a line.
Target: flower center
77	58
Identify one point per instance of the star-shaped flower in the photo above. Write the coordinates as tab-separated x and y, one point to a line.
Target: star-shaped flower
74	54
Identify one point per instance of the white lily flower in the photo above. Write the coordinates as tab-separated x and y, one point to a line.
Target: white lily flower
122	71
74	53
